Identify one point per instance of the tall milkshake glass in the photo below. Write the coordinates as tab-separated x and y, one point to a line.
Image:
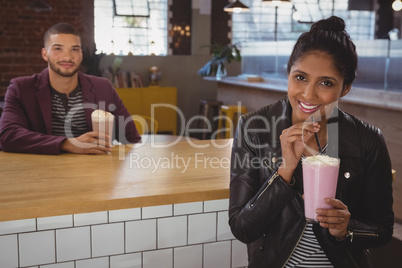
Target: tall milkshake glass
320	177
103	121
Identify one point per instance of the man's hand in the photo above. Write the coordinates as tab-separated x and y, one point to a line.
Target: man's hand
88	143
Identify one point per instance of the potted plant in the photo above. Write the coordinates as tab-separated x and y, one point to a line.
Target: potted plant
220	55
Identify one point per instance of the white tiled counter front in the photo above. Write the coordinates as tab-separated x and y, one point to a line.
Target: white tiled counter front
187	235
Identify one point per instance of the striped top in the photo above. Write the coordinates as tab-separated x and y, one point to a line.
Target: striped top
68	117
308	252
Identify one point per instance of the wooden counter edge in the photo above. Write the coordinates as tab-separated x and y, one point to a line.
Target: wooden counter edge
107	205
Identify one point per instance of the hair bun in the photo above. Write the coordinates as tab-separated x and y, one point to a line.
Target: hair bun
331	24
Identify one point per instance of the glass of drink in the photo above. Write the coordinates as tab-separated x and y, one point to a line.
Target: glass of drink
103	121
320	177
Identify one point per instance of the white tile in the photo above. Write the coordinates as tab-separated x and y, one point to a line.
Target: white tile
107	239
217	255
140	235
187	208
125	215
90	218
172	232
37	248
55	222
133	260
239	254
8	251
93	263
190	256
59	265
216	205
201	228
158	258
20	226
224	232
73	243
157	211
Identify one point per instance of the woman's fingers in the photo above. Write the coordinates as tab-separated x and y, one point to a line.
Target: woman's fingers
336	219
295	137
300	130
293	142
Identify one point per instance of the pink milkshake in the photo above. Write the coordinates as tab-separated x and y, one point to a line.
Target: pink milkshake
320	176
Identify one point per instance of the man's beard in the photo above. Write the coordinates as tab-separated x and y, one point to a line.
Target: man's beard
64	74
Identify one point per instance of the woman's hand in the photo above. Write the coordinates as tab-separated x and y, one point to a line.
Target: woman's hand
293	142
336	219
88	143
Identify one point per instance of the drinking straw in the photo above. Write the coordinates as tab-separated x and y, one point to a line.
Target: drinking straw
316	137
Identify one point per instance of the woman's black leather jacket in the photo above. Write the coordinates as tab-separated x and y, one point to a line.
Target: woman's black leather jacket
268	214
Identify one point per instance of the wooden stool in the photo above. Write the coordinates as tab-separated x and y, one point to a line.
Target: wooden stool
229	115
209	109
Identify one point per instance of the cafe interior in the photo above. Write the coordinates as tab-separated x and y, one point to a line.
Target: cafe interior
185	70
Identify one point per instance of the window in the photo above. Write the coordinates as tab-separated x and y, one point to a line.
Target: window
267	23
131	27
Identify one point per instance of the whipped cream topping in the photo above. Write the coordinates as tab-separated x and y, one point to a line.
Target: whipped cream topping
321	160
101	114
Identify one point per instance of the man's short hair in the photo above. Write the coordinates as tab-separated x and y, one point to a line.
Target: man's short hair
60	28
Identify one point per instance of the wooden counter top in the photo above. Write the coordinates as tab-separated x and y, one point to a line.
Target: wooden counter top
141	175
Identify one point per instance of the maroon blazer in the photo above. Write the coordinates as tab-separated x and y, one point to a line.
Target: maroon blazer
26	122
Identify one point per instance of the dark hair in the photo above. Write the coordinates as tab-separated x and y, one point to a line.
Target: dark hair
61	28
328	36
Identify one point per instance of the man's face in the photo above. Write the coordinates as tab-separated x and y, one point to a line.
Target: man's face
63	54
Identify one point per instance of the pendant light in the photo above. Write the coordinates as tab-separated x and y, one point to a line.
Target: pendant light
236	7
397	5
277	2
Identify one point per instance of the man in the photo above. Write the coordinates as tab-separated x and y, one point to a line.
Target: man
50	112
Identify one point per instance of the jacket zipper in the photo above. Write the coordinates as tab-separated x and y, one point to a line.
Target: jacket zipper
352	234
294	248
273	177
268	166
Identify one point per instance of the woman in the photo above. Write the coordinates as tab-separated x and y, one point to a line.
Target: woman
266	188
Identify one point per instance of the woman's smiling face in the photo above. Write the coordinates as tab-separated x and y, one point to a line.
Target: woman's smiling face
314	86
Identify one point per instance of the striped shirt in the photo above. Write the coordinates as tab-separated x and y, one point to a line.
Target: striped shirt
308	252
68	117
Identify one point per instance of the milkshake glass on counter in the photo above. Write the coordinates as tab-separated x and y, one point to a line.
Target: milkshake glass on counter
320	177
103	121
